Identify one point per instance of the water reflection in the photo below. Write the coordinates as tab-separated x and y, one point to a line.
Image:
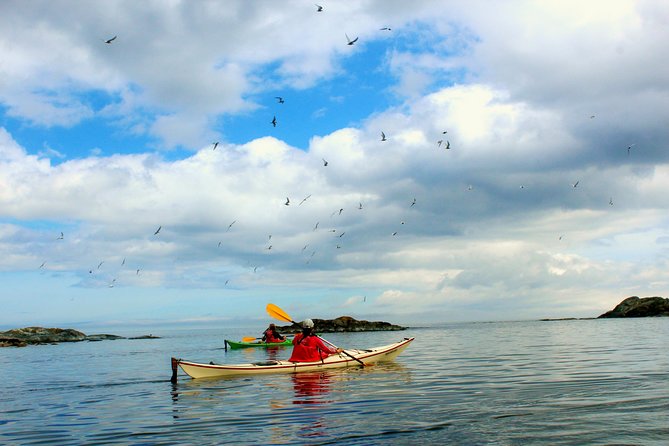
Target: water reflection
311	388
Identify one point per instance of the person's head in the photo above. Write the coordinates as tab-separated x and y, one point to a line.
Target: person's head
272	327
307	325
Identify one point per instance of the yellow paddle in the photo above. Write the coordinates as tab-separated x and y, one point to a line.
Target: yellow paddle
278	313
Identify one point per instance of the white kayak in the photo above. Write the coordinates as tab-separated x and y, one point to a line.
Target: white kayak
348	358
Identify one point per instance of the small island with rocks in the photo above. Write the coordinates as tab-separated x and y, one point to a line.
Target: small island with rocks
21	337
344	324
635	306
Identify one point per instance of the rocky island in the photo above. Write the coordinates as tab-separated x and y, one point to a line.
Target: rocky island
20	337
635	306
344	324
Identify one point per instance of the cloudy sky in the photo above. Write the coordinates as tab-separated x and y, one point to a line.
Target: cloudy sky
524	171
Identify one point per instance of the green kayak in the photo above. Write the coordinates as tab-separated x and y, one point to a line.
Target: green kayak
235	345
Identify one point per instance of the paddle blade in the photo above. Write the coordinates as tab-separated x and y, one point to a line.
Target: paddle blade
278	313
248	339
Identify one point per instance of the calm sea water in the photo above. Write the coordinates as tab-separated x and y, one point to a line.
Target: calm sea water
505	383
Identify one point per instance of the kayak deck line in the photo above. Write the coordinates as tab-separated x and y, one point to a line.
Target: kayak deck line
357	357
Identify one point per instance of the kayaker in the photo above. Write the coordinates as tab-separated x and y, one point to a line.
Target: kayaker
307	347
271	335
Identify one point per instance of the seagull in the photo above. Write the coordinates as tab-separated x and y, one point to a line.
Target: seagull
61	236
575	185
157	230
230	225
42	265
439	143
448	145
100	264
394	233
108	41
226	282
316	227
364	298
111	284
319	8
360	206
123	262
304	199
305	247
273	122
385	28
611	201
215	145
137	273
341	210
269	247
413	203
350	42
279	99
325	163
630	148
287	203
342	234
470	187
444	132
219	244
592	116
383	137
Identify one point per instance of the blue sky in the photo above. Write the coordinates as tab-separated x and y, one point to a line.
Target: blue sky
108	142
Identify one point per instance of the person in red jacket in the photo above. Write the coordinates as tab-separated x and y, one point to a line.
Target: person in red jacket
272	336
307	347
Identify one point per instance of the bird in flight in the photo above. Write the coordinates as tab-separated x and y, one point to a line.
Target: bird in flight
273	122
61	236
279	99
42	265
350	42
100	264
413	203
385	28
215	145
158	230
123	262
611	201
325	163
230	225
383	137
316	227
575	185
630	148
359	205
287	203
319	8
108	41
304	199
448	145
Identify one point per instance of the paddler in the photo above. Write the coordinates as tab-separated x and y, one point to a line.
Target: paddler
272	336
307	347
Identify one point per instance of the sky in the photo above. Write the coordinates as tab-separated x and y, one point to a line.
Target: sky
523	173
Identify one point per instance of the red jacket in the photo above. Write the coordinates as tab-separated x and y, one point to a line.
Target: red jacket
309	349
269	337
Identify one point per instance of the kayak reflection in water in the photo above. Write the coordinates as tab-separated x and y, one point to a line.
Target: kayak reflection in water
307	347
271	335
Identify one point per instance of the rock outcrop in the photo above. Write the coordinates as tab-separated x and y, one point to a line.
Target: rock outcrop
640	307
344	324
20	337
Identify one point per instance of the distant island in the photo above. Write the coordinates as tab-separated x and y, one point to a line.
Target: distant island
344	324
635	306
21	337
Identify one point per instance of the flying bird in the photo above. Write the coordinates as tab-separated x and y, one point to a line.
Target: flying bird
360	206
325	163
350	42
100	264
108	41
385	28
230	225
316	227
611	201
158	230
413	203
61	236
319	8
279	99
383	137
215	145
304	199
42	265
287	203
123	262
342	234
575	185
630	148
439	143
394	233
448	145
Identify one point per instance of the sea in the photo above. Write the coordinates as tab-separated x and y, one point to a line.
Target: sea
568	382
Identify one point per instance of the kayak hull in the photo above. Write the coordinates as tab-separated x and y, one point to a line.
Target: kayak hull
235	344
367	357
